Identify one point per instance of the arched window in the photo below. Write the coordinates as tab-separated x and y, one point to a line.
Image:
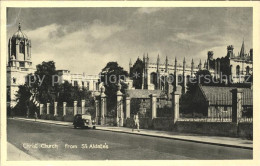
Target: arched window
153	79
238	70
21	47
247	70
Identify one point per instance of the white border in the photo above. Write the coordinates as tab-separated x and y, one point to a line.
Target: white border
256	68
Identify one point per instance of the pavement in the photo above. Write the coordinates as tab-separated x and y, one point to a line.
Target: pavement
16	154
213	140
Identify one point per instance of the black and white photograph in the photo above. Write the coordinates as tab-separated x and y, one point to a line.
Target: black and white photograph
128	83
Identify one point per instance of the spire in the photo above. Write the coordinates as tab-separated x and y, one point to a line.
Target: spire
130	62
19	26
175	59
184	60
242	51
166	64
192	61
147	56
200	65
158	62
158	59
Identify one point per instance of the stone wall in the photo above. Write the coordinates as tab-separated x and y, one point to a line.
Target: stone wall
245	130
207	128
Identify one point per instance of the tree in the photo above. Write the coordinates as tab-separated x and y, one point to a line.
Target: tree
111	75
23	99
137	73
44	82
69	94
43	87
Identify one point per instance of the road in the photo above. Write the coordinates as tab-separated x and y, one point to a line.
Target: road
55	142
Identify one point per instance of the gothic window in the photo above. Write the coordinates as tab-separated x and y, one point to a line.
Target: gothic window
21	47
238	70
247	70
153	78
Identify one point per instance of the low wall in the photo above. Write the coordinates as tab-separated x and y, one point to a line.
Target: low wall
207	128
163	123
145	123
245	130
68	118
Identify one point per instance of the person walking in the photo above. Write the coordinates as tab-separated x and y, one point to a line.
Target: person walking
136	122
35	115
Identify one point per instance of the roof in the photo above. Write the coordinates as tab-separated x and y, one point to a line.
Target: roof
223	96
144	93
19	34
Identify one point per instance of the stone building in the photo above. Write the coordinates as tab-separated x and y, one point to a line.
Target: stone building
19	63
158	75
90	82
236	67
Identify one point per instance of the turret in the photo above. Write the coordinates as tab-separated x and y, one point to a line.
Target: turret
130	65
19	50
166	64
184	65
147	61
158	63
192	68
200	65
210	58
230	53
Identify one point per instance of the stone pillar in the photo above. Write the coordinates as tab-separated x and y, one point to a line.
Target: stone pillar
64	108
41	109
119	115
102	111
236	104
153	105
97	110
55	108
127	102
103	106
75	107
82	106
48	108
175	103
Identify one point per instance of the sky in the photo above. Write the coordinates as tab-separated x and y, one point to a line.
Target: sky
86	39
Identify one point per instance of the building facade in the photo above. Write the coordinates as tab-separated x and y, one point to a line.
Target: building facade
236	68
89	82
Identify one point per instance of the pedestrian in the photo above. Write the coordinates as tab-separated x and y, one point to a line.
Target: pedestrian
27	110
136	122
35	115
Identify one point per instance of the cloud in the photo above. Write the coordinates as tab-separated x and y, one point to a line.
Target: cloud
70	47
